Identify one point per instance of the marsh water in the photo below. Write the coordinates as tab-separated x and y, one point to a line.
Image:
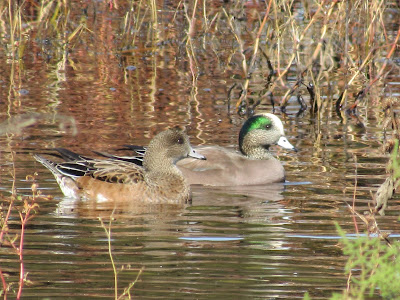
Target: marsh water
256	242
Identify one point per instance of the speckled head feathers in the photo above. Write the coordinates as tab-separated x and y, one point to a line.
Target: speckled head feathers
172	144
266	124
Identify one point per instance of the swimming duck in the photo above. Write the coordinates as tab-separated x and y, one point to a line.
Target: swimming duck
157	181
253	165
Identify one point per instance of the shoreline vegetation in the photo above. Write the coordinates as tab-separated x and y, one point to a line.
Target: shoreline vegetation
329	58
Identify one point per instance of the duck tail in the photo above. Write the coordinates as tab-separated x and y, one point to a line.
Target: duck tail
48	164
67	183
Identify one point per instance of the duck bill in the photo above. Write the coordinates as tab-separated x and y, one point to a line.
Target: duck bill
196	155
284	143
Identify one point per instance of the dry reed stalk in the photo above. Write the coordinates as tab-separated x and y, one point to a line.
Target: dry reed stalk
333	15
108	234
154	18
190	51
248	69
245	85
374	10
381	70
127	291
297	42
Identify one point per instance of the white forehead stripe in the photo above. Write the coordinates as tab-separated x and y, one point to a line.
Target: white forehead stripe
277	122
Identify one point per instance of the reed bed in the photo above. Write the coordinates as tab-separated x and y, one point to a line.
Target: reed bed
319	53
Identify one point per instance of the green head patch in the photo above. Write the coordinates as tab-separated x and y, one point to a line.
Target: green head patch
254	122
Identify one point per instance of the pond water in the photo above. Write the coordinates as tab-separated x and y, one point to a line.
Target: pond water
256	242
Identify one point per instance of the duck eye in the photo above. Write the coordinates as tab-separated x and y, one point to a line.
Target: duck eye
268	126
180	141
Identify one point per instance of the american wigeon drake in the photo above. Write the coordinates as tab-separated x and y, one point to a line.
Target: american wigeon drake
253	165
157	181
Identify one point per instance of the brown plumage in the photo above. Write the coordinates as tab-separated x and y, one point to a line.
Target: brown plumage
158	181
